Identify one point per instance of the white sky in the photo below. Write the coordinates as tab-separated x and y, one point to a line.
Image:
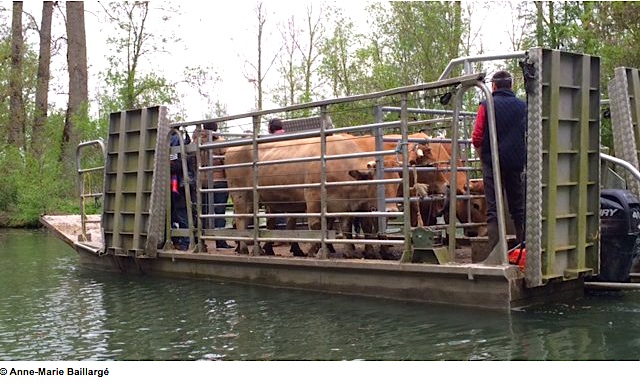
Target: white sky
223	35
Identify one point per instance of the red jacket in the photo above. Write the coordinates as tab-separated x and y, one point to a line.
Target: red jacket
478	127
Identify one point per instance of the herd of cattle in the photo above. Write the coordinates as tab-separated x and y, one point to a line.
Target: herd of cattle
282	189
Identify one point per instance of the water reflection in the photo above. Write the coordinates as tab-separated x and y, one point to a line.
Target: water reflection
52	309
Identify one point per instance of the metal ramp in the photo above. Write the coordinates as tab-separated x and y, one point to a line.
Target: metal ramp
624	96
134	204
563	167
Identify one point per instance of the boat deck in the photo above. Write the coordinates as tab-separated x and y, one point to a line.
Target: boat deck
458	282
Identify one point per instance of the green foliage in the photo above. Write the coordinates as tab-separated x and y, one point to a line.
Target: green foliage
125	83
36	186
409	43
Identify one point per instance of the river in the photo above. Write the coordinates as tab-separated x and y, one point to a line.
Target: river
51	308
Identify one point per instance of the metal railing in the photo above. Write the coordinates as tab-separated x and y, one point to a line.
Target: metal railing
85	174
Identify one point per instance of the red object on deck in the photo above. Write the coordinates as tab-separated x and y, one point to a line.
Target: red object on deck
518	256
174	184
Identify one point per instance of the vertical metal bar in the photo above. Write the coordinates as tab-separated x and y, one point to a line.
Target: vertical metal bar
323	187
187	190
198	134
256	203
552	182
453	188
499	254
633	86
536	127
168	223
407	253
583	161
380	188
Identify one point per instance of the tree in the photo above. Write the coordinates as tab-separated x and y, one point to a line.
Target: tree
17	113
42	87
127	84
310	51
78	79
338	58
290	72
258	72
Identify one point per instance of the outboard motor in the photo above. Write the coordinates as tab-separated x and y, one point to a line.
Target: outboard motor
619	234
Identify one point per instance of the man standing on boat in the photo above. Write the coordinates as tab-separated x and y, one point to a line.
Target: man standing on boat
511	125
179	182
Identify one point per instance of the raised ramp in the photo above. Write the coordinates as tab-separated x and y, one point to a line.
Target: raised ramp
624	96
136	178
563	166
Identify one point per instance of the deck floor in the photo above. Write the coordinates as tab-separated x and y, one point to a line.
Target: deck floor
69	226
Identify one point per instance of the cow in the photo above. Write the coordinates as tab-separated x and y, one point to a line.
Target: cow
437	154
343	198
427	163
478	210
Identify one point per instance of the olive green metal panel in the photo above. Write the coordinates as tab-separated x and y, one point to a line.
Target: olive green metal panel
565	120
129	183
624	90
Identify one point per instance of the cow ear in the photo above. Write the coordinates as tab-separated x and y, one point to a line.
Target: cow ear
361	175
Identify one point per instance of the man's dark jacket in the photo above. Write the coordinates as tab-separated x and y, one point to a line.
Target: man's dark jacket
511	125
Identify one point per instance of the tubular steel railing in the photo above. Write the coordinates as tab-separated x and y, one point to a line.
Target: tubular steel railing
254	140
85	174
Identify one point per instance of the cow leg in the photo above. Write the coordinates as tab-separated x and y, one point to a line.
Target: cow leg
346	227
242	203
267	249
295	247
369	229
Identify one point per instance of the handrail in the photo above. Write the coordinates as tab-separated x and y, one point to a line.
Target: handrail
623	163
84	236
466	60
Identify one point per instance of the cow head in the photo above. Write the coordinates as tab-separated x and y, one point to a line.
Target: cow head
390	189
420	154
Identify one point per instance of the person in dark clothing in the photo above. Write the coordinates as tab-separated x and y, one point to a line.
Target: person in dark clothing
217	178
179	218
511	125
275	126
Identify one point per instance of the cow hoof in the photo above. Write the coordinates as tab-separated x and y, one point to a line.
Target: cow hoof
296	250
372	256
268	249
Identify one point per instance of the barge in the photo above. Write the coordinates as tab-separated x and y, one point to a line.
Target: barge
436	264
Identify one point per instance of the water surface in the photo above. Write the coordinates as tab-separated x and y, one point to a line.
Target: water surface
51	308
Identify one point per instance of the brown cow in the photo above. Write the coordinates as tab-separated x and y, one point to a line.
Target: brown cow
478	208
344	198
427	161
390	142
423	153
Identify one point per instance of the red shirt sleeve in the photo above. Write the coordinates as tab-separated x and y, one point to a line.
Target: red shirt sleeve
478	128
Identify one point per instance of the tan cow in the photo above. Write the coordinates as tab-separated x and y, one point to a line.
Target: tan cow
437	154
344	198
428	161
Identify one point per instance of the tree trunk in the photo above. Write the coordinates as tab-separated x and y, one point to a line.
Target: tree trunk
539	24
16	107
77	63
42	87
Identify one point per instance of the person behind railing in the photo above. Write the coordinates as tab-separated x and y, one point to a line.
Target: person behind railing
219	181
511	125
275	126
179	218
